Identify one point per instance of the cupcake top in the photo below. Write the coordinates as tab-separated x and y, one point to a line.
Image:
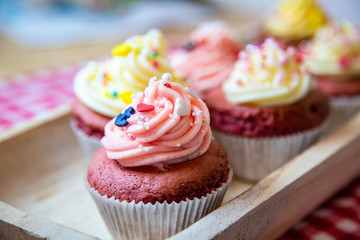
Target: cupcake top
106	87
208	56
268	75
334	50
165	124
295	19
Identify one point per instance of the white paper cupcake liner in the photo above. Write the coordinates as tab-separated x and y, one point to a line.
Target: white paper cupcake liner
342	109
254	158
88	145
159	221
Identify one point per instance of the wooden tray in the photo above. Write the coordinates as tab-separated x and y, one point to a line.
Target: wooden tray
42	174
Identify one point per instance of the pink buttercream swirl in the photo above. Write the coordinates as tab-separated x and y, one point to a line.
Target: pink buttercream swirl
208	58
170	125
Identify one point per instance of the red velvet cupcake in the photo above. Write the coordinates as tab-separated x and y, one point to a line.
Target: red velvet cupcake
333	57
207	57
267	111
103	89
159	165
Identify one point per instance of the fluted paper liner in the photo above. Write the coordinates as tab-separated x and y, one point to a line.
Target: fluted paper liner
159	221
254	158
88	145
342	109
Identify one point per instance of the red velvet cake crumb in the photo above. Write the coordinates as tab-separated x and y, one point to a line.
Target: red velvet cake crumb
90	122
172	183
257	121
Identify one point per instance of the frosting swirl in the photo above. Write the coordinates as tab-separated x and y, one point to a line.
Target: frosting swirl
295	19
169	125
334	50
208	57
106	87
267	75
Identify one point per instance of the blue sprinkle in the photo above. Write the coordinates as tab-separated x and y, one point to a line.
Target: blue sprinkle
121	119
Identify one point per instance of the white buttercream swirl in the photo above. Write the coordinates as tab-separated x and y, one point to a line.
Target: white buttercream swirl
106	87
267	75
335	50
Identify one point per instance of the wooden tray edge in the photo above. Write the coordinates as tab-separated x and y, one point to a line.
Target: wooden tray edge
288	194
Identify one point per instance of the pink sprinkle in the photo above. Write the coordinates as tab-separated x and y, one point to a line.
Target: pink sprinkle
283	59
244	65
345	62
142	107
291	50
282	46
304	47
279	77
242	54
299	58
155	64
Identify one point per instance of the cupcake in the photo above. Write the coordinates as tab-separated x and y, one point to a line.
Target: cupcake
293	21
267	111
159	170
206	59
333	57
103	89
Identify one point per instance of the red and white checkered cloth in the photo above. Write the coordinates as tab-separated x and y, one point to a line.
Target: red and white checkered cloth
23	97
338	218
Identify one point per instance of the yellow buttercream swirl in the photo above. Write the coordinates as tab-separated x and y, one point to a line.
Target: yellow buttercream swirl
106	87
267	75
295	19
335	50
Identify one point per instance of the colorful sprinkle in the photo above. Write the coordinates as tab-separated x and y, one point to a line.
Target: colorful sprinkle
121	119
168	85
155	64
299	58
167	77
181	108
282	46
189	46
345	62
137	51
178	145
107	94
104	82
142	107
126	96
121	50
114	94
154	54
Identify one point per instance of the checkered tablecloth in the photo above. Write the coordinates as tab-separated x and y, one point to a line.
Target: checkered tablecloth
26	96
338	218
